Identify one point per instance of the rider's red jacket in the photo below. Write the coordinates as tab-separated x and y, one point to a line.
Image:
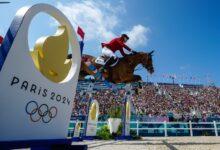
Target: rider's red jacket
1	39
116	44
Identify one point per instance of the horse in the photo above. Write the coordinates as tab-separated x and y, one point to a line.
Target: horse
123	71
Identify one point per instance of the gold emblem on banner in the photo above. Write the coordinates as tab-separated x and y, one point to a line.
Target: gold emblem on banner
128	111
50	55
78	126
92	112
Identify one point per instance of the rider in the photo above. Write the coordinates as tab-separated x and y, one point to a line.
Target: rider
109	49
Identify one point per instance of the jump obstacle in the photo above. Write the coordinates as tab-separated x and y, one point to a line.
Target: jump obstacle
37	90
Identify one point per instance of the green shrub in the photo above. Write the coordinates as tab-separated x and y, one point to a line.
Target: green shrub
104	133
134	135
119	132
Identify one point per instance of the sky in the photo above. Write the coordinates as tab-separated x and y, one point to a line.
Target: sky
185	34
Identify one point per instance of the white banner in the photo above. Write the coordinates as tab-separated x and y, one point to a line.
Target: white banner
37	89
91	124
77	129
127	116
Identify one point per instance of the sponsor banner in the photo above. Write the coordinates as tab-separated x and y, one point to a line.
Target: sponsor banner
92	118
37	88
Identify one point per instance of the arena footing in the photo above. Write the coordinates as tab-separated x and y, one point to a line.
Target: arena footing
57	144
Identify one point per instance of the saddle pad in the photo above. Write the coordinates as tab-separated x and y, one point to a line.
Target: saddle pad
97	75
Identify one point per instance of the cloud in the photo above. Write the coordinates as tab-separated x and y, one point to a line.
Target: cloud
138	36
97	18
100	20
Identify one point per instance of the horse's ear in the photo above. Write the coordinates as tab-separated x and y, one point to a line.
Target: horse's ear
151	52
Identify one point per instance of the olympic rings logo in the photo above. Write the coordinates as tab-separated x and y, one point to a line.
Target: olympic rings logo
38	112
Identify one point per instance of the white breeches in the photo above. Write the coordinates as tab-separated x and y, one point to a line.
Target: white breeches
107	52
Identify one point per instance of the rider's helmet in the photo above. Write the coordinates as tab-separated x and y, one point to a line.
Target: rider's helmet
125	37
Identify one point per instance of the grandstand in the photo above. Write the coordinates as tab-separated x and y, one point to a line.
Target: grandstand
183	107
174	101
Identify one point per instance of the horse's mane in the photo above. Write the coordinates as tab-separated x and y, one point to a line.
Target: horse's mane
132	55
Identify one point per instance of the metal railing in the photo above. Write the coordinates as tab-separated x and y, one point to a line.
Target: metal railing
191	127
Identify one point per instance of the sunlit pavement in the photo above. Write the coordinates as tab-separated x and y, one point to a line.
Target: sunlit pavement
152	143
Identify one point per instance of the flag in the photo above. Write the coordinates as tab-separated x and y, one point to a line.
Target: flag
81	45
80	32
1	39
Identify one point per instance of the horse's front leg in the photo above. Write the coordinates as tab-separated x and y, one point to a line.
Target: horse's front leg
134	78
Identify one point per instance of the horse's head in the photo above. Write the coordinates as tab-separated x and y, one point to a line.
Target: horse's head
147	61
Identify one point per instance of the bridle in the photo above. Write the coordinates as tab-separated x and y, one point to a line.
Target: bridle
145	65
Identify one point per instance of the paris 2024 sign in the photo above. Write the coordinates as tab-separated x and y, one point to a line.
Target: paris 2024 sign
37	88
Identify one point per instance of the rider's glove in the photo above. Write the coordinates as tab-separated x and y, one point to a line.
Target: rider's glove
133	52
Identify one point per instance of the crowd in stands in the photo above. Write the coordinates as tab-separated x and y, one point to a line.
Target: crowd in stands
178	102
106	98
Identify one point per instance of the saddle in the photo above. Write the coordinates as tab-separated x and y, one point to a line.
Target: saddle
102	60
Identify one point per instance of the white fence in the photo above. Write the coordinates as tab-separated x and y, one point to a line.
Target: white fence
190	128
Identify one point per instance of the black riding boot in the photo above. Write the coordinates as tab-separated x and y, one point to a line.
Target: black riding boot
107	64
